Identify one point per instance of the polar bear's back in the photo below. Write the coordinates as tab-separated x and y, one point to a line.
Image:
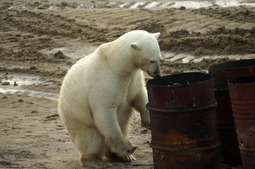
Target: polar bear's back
73	97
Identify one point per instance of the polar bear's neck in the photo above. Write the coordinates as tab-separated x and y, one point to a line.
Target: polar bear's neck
117	55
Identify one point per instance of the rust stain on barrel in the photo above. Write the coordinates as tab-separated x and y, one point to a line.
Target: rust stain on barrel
182	110
242	93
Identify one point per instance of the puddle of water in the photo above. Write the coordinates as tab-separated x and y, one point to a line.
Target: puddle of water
23	80
191	4
176	57
33	93
194	4
186	58
137	5
123	5
152	5
11	66
233	3
168	4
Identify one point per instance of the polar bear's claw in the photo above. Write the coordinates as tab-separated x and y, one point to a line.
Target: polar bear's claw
116	158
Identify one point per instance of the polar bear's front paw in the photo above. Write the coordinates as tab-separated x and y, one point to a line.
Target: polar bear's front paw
121	147
125	149
116	158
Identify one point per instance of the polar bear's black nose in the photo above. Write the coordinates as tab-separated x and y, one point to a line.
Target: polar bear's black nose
157	73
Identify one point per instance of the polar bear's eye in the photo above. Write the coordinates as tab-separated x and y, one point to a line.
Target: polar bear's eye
152	61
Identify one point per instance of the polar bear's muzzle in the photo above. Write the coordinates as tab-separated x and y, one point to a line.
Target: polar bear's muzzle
155	72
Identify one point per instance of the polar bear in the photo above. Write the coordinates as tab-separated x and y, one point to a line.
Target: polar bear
99	92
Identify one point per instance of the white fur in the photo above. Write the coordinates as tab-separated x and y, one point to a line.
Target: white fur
99	92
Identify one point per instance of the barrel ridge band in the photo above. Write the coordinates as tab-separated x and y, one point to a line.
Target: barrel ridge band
202	148
174	110
243	117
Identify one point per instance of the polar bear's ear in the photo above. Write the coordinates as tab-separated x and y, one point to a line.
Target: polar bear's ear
157	35
135	46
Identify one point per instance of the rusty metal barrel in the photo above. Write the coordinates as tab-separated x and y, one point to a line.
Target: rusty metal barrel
242	94
224	116
182	112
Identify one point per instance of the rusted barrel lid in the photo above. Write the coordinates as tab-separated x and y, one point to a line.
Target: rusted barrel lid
182	91
225	71
245	80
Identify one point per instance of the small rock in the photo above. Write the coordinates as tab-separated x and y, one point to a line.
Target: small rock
34	111
15	84
5	83
52	117
182	8
59	55
64	3
60	72
20	100
32	68
5	163
147	142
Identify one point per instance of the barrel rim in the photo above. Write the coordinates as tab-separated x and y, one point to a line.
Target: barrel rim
237	64
155	81
244	80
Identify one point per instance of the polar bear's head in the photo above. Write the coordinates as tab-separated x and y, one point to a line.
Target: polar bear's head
146	52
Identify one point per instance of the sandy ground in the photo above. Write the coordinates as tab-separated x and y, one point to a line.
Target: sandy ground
40	40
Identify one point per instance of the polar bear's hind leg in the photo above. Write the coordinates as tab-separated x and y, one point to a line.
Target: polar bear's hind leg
90	144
